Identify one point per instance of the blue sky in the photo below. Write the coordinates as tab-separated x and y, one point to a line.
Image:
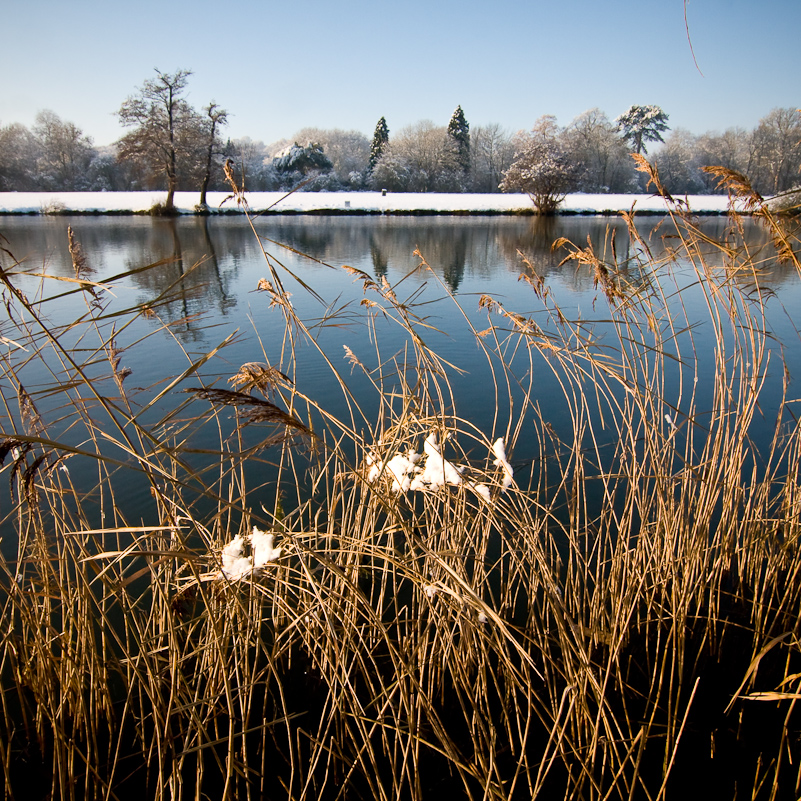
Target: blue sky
280	66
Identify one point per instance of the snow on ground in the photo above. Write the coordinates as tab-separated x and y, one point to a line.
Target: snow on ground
338	202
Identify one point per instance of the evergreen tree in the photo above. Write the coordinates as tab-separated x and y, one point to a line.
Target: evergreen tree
641	124
302	159
459	132
380	141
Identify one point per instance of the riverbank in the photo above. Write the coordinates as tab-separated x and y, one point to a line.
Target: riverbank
340	203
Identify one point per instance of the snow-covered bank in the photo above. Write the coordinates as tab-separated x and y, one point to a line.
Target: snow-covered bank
339	203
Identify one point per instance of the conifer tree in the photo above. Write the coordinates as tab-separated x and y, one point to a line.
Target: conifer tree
641	124
380	141
459	132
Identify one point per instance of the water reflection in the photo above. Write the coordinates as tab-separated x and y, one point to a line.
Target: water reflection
206	271
208	266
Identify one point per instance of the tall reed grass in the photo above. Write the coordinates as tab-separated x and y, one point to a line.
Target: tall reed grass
622	621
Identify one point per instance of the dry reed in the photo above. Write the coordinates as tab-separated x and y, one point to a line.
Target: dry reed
621	622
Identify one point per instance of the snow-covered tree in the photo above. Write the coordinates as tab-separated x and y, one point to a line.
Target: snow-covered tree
254	162
392	172
158	115
379	143
599	154
429	155
641	124
105	171
64	153
18	155
459	132
303	159
541	167
298	163
348	152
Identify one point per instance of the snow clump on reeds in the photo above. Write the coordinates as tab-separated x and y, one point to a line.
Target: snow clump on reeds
236	565
400	467
438	470
499	449
408	472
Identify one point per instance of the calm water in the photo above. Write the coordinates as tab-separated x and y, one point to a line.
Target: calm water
211	267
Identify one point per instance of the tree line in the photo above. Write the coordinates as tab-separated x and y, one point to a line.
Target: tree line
168	144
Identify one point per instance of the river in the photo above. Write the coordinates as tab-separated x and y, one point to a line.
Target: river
203	291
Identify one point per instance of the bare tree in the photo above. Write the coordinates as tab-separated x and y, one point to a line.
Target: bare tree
492	152
158	115
777	150
731	149
426	155
215	118
678	163
600	154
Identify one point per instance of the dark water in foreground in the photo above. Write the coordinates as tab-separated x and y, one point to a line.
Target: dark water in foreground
213	265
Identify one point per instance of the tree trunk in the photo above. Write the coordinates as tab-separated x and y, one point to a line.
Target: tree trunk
172	178
207	175
203	187
215	116
169	204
